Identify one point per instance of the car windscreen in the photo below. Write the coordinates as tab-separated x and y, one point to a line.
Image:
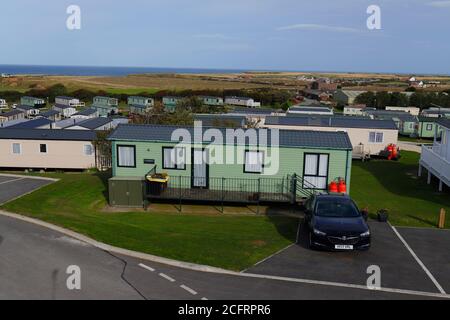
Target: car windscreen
336	208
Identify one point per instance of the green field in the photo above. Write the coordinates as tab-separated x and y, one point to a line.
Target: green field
394	186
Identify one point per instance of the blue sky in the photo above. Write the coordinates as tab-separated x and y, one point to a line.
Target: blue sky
237	34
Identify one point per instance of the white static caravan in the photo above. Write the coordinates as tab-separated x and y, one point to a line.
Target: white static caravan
369	137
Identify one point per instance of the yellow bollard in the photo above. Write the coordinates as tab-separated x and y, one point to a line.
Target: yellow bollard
442	219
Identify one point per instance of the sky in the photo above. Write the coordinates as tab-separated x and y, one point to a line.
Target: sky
298	35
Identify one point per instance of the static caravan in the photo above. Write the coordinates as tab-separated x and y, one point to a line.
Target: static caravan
39	123
106	106
52	115
242	101
436	159
86	114
47	149
33	102
98	124
212	101
368	137
170	103
12	116
427	127
140	105
411	110
69	101
407	124
218	164
310	110
65	110
30	112
3	104
221	120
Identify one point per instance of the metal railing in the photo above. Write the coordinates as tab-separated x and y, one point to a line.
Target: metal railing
289	189
436	162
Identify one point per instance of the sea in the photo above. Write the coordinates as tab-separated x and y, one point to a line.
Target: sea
102	71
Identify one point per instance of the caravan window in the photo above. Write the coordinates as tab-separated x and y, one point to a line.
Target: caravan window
376	137
126	156
254	162
174	158
315	171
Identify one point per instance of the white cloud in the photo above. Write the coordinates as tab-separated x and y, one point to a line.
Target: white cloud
318	27
440	4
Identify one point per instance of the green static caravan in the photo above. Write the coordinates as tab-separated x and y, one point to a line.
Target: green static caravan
140	105
170	103
231	170
212	101
427	127
33	102
105	111
106	101
105	106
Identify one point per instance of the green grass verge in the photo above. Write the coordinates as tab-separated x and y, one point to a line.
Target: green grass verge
380	184
231	242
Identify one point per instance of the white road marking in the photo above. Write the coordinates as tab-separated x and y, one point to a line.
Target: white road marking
165	276
146	267
430	275
193	292
346	285
13	180
269	257
204	299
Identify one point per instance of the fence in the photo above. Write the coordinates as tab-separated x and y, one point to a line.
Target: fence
231	190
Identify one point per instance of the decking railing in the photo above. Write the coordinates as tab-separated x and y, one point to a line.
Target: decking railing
232	190
435	162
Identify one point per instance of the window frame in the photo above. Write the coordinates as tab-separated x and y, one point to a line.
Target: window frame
176	168
118	155
317	170
92	148
20	148
40	148
262	164
376	133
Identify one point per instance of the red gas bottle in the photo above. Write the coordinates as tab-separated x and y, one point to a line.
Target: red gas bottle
342	186
333	187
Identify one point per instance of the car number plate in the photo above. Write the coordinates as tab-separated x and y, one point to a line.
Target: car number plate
343	247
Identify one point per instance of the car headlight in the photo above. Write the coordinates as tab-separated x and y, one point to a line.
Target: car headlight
366	234
319	233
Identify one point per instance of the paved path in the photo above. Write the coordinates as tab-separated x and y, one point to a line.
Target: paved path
410	146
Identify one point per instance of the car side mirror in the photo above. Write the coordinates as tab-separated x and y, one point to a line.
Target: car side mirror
365	214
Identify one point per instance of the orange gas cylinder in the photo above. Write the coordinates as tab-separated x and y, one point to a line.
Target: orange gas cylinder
390	150
395	151
342	187
333	187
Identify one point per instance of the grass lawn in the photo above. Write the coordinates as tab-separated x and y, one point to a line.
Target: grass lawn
395	186
232	242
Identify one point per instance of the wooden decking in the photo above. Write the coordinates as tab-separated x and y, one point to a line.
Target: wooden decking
219	196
